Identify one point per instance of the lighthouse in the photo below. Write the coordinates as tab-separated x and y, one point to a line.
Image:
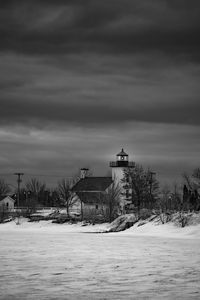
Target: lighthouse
118	166
122	163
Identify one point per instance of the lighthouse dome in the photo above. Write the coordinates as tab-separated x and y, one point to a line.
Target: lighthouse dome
122	153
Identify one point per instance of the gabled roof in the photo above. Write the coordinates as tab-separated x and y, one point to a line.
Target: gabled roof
92	184
6	198
92	197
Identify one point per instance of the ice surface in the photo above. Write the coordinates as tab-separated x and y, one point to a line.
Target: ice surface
51	261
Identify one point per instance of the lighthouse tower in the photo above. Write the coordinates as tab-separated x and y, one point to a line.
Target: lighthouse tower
119	165
122	162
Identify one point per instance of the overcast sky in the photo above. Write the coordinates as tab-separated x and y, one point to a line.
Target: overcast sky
81	79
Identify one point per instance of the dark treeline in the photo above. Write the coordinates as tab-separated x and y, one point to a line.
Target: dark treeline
146	193
35	193
141	189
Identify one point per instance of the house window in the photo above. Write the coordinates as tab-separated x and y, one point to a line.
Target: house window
97	206
7	205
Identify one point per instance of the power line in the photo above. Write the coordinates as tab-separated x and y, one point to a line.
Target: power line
159	173
6	174
29	174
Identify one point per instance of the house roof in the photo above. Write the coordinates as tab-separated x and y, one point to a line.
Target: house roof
6	198
93	184
92	197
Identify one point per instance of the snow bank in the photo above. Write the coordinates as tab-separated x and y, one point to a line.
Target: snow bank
153	226
150	227
122	223
168	230
49	227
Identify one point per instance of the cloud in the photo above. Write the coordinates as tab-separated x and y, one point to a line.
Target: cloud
81	79
40	93
61	153
119	27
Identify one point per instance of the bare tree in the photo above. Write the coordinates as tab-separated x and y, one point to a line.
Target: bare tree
152	186
113	194
65	193
191	190
176	201
164	202
36	188
193	181
196	178
188	180
164	198
143	185
4	188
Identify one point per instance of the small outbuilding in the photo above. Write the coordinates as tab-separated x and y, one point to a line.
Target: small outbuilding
7	203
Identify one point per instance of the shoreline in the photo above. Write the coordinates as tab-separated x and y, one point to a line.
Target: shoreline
150	229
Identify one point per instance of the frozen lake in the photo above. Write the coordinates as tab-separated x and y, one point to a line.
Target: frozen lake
64	265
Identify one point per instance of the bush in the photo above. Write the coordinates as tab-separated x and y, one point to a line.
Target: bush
145	213
4	214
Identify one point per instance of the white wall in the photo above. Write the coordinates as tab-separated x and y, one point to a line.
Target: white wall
7	203
117	174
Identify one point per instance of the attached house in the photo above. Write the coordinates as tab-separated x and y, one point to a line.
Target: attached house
92	192
7	203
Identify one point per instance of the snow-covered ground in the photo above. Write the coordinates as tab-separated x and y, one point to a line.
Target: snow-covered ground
52	261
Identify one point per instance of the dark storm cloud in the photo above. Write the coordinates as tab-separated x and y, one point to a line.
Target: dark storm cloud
89	90
42	112
52	27
81	78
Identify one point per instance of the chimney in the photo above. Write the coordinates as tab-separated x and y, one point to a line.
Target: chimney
84	172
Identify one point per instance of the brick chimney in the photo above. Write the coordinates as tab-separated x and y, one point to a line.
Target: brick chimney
84	172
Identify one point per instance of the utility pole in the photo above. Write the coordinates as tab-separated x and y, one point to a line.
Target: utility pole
19	180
